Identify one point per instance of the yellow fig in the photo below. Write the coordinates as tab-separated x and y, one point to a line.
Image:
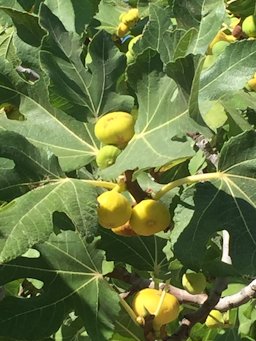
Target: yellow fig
122	30
194	283
130	18
149	217
215	319
114	209
163	305
251	84
115	128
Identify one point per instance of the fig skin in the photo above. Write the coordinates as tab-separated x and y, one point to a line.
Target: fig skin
149	217
106	156
219	47
130	18
114	209
122	30
194	283
251	84
146	302
220	36
124	230
215	319
249	26
115	128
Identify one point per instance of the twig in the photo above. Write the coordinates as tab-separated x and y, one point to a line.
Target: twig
134	188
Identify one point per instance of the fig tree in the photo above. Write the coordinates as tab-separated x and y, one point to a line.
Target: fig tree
249	26
149	216
115	128
194	283
147	301
106	156
114	209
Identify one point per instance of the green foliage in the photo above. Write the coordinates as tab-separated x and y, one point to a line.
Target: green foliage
62	67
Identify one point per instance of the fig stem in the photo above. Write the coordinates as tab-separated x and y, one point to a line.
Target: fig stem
187	180
103	184
129	310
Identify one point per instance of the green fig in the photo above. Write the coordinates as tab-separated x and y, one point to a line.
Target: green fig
249	26
107	156
194	283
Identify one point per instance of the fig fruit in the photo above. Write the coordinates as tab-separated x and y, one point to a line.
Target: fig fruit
124	230
220	36
219	47
251	84
249	26
122	30
130	18
215	319
106	156
146	302
114	209
115	128
194	283
149	216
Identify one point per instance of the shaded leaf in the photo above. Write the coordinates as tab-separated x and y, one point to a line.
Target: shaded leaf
228	203
80	13
144	253
91	87
70	140
205	16
28	220
71	271
31	165
27	25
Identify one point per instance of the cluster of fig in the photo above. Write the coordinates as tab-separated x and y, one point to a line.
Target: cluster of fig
145	218
127	21
114	130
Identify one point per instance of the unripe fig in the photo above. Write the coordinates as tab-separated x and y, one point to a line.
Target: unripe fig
249	26
107	156
124	230
194	283
215	319
146	302
220	36
219	47
209	61
114	209
115	128
122	30
149	217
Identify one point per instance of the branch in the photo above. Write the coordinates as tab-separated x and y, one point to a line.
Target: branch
134	188
213	299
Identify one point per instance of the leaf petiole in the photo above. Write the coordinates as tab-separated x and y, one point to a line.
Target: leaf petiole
186	181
